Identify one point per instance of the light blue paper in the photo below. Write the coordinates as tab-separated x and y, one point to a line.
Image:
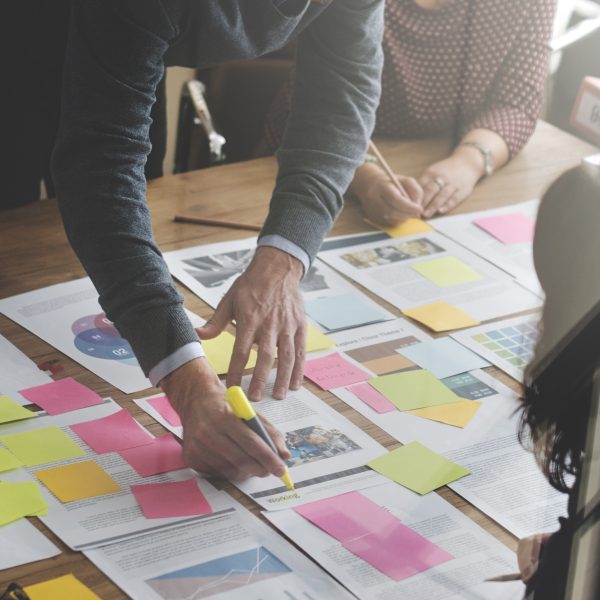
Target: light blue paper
443	357
343	312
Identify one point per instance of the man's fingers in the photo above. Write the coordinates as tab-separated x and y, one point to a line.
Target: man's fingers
239	357
220	319
253	445
400	201
300	352
277	438
286	356
264	364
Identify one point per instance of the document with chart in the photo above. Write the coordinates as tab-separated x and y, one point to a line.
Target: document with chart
421	269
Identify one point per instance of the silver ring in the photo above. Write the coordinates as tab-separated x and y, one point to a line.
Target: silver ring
439	182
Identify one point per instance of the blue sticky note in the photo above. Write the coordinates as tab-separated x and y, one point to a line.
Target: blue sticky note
343	312
443	357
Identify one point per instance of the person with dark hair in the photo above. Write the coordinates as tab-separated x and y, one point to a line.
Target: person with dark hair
556	405
470	69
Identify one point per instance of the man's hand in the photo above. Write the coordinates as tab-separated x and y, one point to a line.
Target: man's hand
267	307
215	441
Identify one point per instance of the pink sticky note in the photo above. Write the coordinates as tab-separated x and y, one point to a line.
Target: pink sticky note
333	371
371	397
162	455
171	499
512	228
118	431
375	535
61	396
163	407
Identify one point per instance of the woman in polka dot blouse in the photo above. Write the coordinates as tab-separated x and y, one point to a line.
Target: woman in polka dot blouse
473	69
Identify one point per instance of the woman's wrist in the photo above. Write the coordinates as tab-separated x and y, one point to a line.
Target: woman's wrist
471	160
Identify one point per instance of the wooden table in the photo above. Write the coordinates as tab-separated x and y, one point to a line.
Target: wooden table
35	253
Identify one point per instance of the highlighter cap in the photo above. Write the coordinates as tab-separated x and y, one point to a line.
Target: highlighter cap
240	405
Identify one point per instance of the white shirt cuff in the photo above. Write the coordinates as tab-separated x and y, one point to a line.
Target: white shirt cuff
168	364
281	243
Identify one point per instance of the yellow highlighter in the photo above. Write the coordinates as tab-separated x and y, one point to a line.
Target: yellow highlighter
242	408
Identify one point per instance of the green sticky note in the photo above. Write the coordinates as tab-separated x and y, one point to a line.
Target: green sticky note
11	411
418	468
8	461
446	271
21	499
42	446
410	390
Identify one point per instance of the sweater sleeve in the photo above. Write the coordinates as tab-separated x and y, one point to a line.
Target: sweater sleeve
515	100
114	61
336	92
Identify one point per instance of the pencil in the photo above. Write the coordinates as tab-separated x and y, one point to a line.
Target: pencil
384	165
216	223
509	577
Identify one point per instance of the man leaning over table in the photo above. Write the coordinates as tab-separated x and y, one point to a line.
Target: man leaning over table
115	57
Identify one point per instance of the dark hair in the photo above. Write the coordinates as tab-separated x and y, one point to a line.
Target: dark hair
556	404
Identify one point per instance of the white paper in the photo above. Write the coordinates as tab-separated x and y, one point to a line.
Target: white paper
22	543
384	267
18	372
477	555
209	271
68	317
336	451
233	556
505	481
515	259
508	344
105	519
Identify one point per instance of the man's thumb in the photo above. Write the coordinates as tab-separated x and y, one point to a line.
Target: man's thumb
217	323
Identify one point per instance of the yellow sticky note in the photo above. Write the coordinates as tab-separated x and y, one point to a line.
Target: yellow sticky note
61	588
219	350
416	467
446	271
441	316
458	414
77	481
315	340
408	227
11	411
42	446
409	390
8	461
20	499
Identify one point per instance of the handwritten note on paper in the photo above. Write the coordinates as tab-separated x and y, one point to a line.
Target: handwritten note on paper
342	312
20	499
443	357
458	414
513	228
419	469
42	446
61	588
441	316
8	461
219	350
77	481
115	432
333	371
171	499
446	272
371	397
61	396
413	389
11	411
164	408
372	533
164	454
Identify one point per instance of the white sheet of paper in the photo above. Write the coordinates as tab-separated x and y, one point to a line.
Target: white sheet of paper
500	467
68	317
326	448
18	372
516	259
384	267
22	543
210	270
478	554
231	557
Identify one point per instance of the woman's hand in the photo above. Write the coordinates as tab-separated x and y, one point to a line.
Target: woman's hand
448	182
528	554
381	200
